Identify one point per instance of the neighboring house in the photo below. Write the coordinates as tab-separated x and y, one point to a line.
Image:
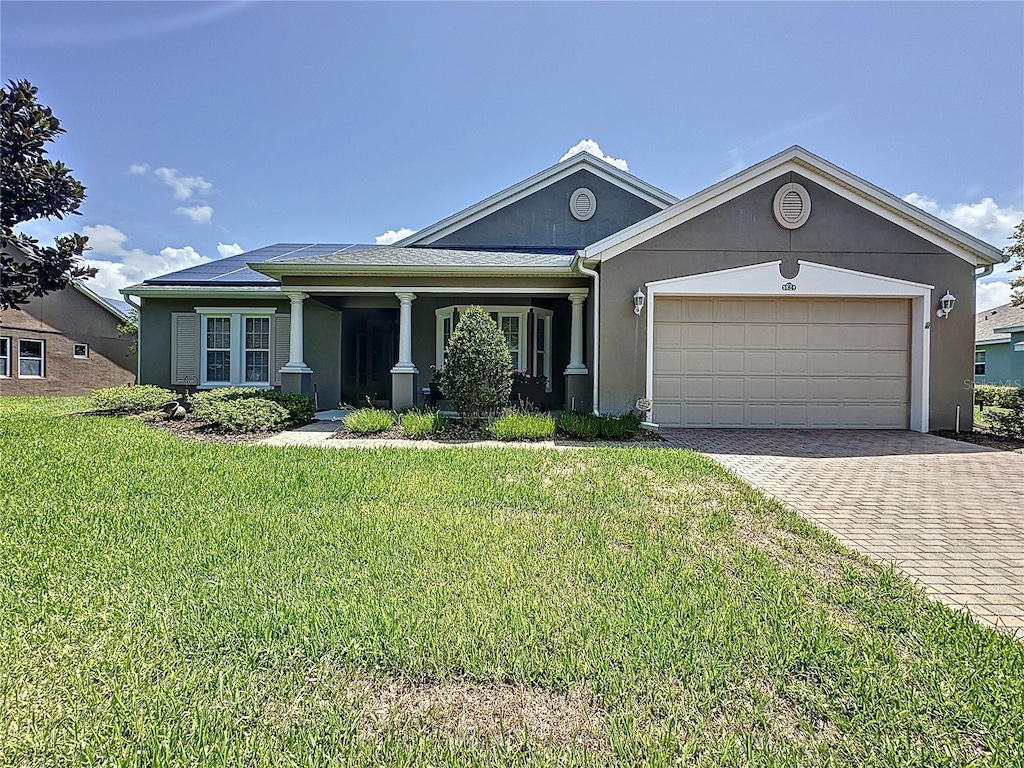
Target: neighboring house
999	346
793	294
65	343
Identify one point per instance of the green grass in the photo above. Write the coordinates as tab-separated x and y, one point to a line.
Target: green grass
517	425
174	603
981	415
369	421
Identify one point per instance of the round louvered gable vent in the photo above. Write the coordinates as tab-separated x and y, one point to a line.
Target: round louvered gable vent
582	204
792	206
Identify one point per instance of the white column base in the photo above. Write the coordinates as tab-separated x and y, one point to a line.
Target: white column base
293	368
576	369
405	368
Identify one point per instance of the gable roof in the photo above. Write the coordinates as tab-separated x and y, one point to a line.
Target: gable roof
557	172
118	309
990	325
819	170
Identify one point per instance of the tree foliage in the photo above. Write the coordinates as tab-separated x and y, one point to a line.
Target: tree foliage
34	187
477	373
1016	253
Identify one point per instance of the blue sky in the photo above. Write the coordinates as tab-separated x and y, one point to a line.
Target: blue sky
198	127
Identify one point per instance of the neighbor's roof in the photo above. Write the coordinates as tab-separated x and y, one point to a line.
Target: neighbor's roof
352	260
988	322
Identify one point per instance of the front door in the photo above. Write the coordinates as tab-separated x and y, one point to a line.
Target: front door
375	353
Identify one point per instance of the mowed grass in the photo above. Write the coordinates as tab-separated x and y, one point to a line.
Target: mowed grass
174	603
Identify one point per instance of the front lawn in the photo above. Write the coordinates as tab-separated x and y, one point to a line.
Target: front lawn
166	602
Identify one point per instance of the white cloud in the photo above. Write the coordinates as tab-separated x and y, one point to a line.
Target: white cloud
138	168
201	214
229	249
183	186
985	219
120	266
992	294
591	146
394	235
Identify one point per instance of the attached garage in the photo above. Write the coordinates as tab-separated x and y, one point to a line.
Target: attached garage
781	362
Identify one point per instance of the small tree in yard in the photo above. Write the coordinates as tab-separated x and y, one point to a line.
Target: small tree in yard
477	373
1016	253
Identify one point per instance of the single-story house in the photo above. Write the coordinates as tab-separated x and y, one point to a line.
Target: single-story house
65	343
792	294
999	346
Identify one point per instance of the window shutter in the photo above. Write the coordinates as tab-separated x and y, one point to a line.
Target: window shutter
185	348
280	351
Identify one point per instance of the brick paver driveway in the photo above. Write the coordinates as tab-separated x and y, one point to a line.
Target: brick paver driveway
949	514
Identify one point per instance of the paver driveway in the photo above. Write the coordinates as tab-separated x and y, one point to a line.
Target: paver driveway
949	514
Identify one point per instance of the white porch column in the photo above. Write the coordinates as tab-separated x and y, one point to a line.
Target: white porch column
405	364
576	365
296	362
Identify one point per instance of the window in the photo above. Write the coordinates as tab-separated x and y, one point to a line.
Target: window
5	356
82	351
445	325
31	359
235	346
510	325
542	345
513	322
979	363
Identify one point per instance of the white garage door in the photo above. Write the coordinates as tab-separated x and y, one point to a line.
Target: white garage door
737	362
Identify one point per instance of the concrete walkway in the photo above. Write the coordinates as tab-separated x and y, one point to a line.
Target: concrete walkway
947	513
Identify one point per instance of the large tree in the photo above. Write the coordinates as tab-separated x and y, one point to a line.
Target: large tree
34	187
1016	253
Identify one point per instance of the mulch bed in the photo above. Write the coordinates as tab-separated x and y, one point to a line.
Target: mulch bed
193	429
457	433
983	438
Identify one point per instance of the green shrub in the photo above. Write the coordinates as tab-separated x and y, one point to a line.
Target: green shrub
246	414
579	424
477	373
987	395
131	399
589	426
368	421
1009	422
517	425
423	423
300	408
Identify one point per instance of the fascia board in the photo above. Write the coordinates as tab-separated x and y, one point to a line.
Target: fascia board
985	342
188	291
833	178
279	270
1009	329
537	182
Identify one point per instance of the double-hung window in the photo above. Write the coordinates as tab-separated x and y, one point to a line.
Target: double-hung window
235	347
31	358
979	363
5	356
542	345
512	327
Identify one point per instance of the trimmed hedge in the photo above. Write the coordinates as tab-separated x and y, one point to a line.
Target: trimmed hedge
132	399
423	423
246	414
986	395
367	421
299	409
516	425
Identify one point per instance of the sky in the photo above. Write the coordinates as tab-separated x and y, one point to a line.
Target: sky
202	129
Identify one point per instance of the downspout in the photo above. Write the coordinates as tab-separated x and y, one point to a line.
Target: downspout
578	266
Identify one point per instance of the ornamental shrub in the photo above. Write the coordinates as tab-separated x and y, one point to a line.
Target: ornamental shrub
477	373
132	399
999	396
1009	422
520	425
247	414
579	424
300	408
368	421
589	426
423	423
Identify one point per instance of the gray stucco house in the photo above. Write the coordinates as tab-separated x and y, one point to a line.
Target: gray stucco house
999	346
792	294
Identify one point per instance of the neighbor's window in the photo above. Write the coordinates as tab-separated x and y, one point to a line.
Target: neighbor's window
979	363
257	350
5	356
31	358
218	350
82	351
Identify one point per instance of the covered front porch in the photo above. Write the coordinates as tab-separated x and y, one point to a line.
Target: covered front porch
354	344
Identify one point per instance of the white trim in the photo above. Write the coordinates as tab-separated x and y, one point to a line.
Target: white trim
810	166
440	315
592	204
547	316
9	356
547	177
817	280
453	289
437	270
236	310
41	358
74	352
236	345
1009	329
198	291
992	341
805	205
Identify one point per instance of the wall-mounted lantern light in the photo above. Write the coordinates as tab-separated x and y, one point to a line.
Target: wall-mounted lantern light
946	305
638	302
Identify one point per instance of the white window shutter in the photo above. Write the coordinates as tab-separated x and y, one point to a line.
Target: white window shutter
185	348
280	352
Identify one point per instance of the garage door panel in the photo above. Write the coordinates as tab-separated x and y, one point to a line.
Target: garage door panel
782	362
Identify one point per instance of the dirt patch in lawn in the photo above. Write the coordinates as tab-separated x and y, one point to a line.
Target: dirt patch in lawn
986	439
